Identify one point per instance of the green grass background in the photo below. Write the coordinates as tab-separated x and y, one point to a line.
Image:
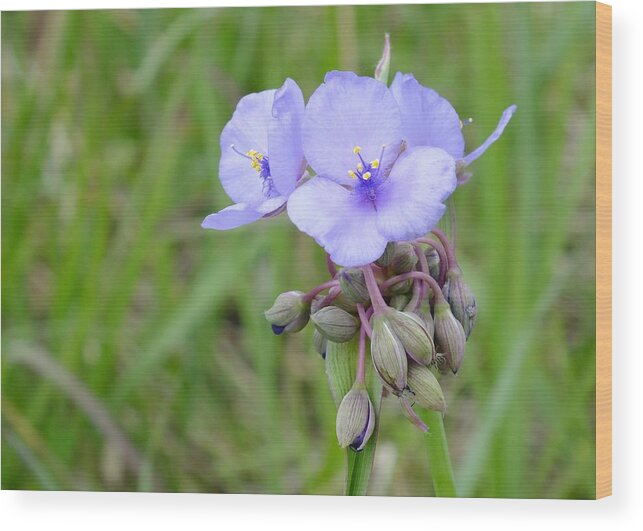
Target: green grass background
135	352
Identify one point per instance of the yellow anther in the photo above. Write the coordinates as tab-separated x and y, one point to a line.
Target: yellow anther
360	167
357	149
375	164
352	174
255	159
366	176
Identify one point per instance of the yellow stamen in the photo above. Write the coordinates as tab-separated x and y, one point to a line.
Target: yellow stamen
360	167
366	176
375	164
255	159
352	174
357	149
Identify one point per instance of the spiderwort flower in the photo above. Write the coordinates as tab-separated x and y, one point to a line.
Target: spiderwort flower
366	192
430	120
261	155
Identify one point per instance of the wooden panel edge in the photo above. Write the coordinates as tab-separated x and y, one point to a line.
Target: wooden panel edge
603	250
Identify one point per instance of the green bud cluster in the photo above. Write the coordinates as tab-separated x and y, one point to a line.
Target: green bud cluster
418	312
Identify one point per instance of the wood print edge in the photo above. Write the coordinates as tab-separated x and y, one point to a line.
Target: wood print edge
603	250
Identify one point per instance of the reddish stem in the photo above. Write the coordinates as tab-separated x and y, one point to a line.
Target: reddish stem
318	289
441	254
332	295
361	369
363	317
424	267
379	305
451	260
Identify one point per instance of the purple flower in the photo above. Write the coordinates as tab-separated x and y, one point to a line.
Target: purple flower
430	120
261	155
366	193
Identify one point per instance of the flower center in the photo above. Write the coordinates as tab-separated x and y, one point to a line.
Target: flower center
367	174
260	164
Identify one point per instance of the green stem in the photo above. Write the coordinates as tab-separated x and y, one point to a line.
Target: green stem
439	459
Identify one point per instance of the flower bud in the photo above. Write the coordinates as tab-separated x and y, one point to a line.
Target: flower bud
387	352
412	333
289	313
403	287
316	303
425	388
320	343
353	285
404	259
433	259
462	300
424	313
387	256
335	324
346	304
441	363
399	301
449	335
355	419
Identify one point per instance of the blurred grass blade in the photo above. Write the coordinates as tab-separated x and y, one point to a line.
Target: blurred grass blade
29	458
165	45
208	291
46	366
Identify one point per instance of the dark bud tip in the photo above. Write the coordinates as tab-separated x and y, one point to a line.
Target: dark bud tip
278	330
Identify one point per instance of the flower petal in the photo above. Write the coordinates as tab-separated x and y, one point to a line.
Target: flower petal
231	217
409	203
248	129
339	220
504	120
285	151
427	118
270	205
348	111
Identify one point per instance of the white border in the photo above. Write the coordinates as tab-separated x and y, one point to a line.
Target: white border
68	511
